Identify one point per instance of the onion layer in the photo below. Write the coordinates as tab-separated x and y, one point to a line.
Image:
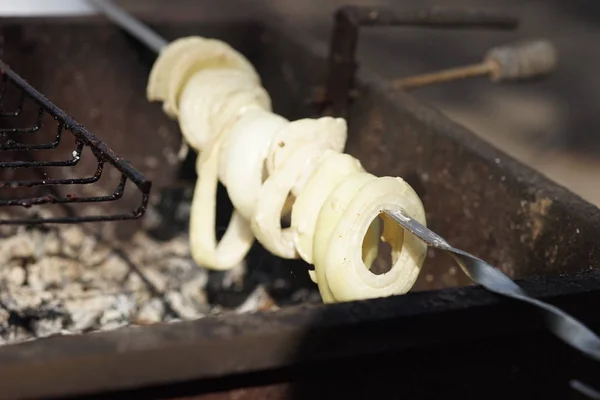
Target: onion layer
180	60
348	214
328	131
266	221
329	215
207	107
238	238
243	154
334	168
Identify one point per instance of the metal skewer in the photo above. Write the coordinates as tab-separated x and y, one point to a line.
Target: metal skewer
132	25
561	324
140	31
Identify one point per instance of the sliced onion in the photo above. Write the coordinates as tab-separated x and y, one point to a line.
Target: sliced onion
243	155
330	214
266	221
330	132
156	89
183	58
370	248
238	238
346	275
233	106
169	57
206	103
224	113
334	168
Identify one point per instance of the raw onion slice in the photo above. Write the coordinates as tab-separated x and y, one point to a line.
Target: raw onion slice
238	238
370	248
156	89
331	132
243	153
233	106
334	168
206	105
330	214
266	221
346	275
181	59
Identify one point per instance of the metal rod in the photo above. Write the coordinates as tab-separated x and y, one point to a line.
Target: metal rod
447	75
433	17
132	25
344	40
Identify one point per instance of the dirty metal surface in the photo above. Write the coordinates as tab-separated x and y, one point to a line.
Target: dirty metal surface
475	196
435	335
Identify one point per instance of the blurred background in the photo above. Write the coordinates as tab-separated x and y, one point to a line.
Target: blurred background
550	125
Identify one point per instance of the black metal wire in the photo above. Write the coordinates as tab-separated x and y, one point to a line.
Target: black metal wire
75	157
11	145
82	139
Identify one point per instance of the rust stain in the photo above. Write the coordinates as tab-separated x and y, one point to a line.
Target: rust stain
538	211
373	141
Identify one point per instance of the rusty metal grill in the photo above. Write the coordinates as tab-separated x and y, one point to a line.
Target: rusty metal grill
457	330
16	152
349	20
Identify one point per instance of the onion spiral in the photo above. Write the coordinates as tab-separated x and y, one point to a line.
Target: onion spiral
272	167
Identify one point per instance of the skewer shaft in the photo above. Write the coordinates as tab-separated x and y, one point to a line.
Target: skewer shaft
132	25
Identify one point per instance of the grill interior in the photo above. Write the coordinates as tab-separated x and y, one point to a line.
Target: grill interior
97	74
139	272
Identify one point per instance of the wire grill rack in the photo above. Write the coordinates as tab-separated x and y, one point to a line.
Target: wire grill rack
23	113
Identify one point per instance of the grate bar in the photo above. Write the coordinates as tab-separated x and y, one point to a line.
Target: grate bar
32	129
55	182
36	164
11	145
69	198
82	137
17	112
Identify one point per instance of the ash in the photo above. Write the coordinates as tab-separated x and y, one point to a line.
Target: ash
64	281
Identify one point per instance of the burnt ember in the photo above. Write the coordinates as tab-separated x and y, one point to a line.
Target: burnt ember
64	280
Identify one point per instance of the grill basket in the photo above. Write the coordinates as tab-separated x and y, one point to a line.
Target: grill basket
23	113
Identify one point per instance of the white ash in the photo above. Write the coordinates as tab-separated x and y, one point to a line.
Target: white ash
63	280
152	312
259	299
234	278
